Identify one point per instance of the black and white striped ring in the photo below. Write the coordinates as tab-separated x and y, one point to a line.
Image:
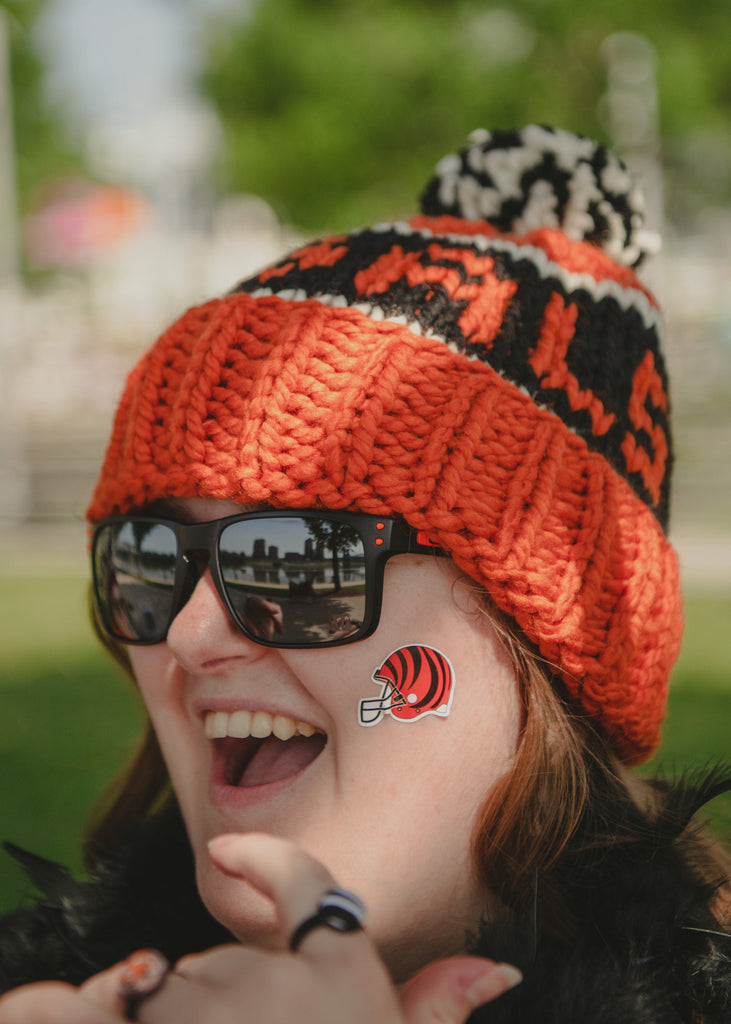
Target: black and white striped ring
338	909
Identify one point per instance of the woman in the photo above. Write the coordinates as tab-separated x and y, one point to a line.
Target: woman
380	536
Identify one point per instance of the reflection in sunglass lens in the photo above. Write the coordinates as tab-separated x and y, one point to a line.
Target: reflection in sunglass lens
295	580
134	567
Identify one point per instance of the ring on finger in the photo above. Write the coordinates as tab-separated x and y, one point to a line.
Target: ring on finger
145	972
338	909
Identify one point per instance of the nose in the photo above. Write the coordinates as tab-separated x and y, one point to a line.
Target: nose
203	637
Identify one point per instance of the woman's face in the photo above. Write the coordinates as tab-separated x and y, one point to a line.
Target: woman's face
389	808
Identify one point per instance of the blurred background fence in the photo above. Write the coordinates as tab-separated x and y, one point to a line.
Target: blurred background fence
153	152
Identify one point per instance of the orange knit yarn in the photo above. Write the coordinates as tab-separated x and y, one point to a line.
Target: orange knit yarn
264	401
547	488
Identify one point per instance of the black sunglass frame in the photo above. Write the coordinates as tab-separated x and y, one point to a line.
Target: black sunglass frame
198	549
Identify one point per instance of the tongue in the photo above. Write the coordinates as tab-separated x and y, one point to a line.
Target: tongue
278	759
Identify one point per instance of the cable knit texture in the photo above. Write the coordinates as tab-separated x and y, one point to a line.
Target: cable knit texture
500	386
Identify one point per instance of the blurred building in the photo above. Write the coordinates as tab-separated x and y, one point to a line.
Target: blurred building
66	346
68	342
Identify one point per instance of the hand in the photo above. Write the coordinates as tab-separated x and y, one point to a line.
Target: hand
331	974
264	618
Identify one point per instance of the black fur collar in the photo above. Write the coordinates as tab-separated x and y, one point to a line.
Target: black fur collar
644	947
143	896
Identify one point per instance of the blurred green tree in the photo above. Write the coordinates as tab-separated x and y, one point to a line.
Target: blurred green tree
43	151
331	110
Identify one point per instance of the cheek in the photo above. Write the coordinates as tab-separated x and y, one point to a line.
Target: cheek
438	710
149	666
153	669
415	793
180	743
438	770
441	770
418	783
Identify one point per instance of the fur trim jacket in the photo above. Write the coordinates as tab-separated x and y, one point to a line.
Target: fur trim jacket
643	946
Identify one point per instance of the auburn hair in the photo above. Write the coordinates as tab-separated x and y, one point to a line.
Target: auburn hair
566	793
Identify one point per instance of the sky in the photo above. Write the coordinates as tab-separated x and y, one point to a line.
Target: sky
117	58
123	75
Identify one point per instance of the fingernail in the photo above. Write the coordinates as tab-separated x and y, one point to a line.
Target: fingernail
497	979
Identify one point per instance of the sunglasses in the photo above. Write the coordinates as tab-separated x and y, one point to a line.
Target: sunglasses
288	579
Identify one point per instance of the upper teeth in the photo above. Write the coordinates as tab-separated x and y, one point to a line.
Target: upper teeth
259	724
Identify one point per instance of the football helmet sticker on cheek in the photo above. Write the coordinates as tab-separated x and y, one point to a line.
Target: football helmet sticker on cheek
416	681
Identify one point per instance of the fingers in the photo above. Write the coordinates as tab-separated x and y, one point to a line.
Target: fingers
447	991
176	1000
51	1002
290	877
217	966
124	987
103	989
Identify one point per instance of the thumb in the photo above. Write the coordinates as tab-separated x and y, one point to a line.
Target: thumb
447	991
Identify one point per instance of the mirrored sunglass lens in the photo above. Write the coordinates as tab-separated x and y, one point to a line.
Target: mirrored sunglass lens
134	572
295	580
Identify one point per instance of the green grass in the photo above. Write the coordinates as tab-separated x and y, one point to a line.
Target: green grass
697	729
69	718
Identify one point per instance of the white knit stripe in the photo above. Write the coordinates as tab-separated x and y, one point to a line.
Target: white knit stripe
373	312
626	298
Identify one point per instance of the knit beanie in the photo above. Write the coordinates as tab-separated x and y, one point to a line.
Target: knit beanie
490	371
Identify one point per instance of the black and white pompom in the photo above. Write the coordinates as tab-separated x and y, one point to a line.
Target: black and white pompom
540	177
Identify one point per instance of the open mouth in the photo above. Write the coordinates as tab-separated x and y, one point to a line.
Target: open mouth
256	748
